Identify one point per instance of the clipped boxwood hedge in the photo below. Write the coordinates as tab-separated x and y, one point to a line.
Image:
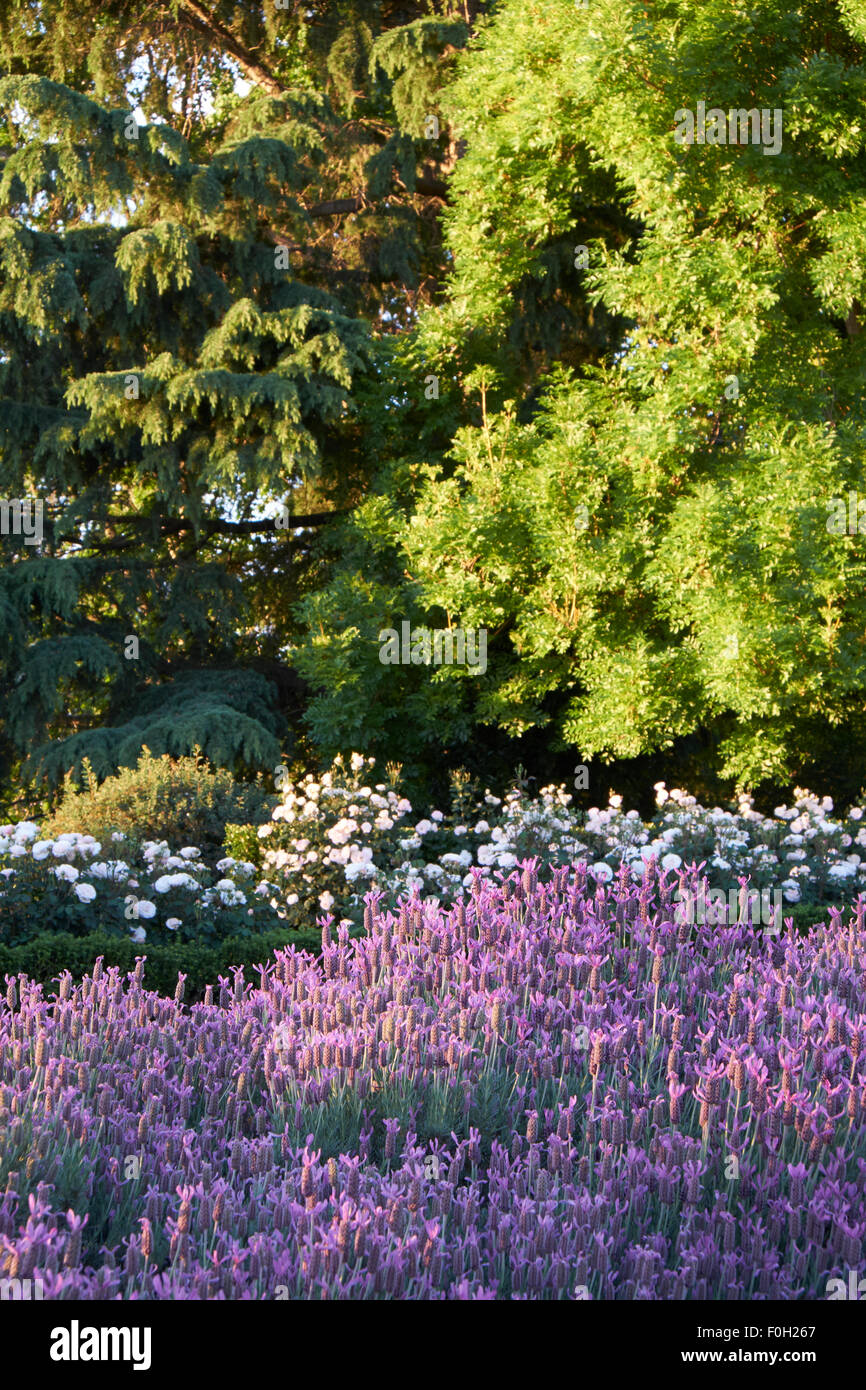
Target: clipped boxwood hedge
807	915
46	957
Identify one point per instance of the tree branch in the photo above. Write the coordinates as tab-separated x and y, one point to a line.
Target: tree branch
852	323
337	205
219	527
255	71
170	526
425	187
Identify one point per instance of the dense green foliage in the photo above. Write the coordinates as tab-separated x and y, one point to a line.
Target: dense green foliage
645	536
49	954
211	221
373	314
179	800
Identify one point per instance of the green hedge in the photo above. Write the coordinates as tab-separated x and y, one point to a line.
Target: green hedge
46	957
807	915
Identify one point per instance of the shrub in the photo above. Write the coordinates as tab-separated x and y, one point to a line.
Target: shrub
334	837
243	842
180	799
74	884
49	954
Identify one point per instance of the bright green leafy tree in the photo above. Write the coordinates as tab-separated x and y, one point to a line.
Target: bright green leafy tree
640	523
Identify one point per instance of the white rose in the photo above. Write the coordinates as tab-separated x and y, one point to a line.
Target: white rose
25	831
601	871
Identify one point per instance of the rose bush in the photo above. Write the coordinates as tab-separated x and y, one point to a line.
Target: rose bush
335	836
75	884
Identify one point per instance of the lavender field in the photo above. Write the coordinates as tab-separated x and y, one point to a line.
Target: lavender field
555	1090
